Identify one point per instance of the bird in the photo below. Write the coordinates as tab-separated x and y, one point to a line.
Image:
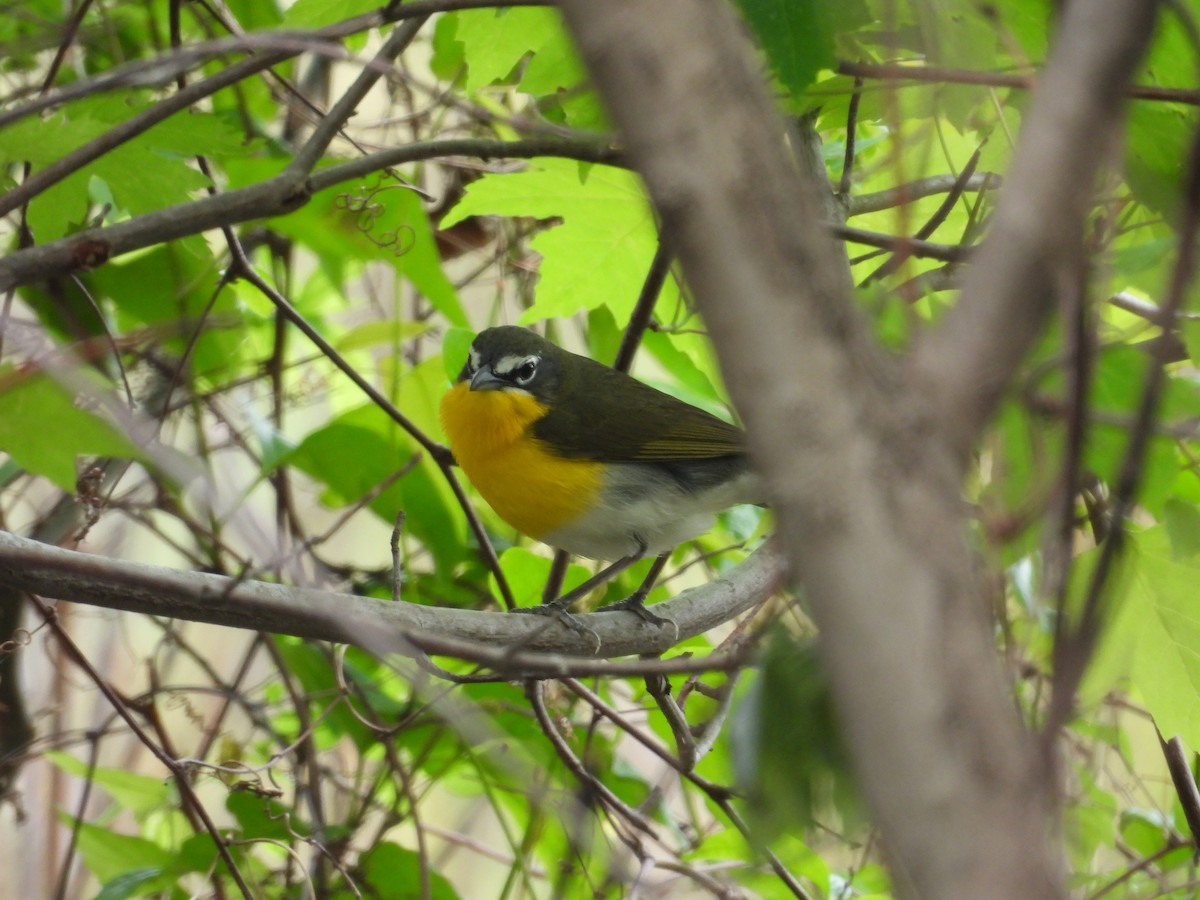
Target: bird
588	459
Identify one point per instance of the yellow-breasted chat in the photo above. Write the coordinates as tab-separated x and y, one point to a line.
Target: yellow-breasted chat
588	459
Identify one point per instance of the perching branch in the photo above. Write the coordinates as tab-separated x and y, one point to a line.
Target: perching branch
517	645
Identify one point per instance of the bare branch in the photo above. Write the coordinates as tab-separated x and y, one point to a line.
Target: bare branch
913	246
513	644
274	197
164	68
918	190
944	75
331	123
135	125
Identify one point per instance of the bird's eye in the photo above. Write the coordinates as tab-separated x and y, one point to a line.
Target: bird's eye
525	372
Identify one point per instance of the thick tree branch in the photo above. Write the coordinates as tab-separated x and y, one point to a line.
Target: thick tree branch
867	502
1009	290
512	644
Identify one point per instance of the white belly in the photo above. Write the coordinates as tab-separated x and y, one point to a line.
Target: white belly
639	506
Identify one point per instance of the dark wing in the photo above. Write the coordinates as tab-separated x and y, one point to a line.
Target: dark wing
619	419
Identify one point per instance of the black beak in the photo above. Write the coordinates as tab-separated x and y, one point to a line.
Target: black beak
486	380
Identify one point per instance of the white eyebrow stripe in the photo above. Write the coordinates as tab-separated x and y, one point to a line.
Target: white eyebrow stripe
505	365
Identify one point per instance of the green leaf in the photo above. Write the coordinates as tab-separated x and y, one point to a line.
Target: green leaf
798	35
274	447
1117	387
1157	137
185	134
1166	663
42	141
494	41
603	335
394	873
260	817
555	65
448	57
1146	831
64	206
1182	521
1152	632
377	219
131	884
43	430
317	13
1190	332
24	35
138	793
109	854
679	355
418	259
601	252
314	670
149	172
386	333
384	698
1170	60
455	346
1026	21
197	854
169	287
1090	823
254	14
361	448
788	752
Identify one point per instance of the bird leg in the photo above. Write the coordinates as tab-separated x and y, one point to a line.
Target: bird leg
560	608
636	602
608	573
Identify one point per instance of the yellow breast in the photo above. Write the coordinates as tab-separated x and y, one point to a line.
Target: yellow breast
528	487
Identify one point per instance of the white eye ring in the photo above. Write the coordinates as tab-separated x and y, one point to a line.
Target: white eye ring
525	372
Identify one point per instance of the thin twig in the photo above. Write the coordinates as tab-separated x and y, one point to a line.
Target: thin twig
643	310
1072	653
946	75
535	692
925	249
851	135
177	772
318	142
933	223
272	197
440	455
1185	785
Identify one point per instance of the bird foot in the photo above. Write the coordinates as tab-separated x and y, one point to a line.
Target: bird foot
565	616
637	605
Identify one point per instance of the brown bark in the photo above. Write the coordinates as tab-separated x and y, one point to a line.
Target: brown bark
862	458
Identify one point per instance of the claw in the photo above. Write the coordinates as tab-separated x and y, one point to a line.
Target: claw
567	618
636	603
